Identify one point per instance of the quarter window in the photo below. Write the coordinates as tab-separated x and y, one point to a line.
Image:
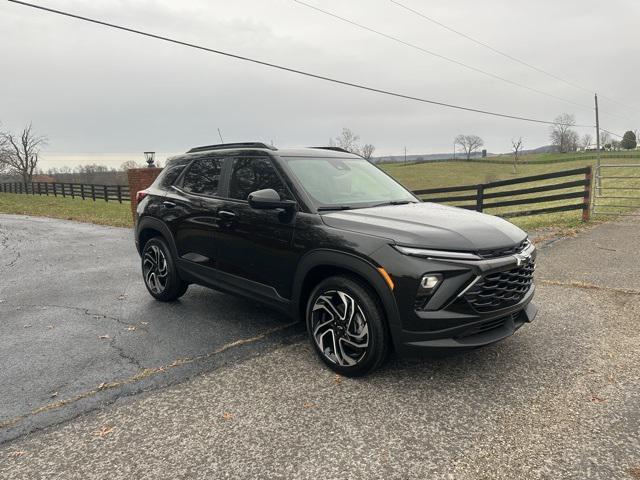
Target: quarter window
203	176
251	174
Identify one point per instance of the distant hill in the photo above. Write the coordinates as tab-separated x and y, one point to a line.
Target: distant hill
432	157
425	157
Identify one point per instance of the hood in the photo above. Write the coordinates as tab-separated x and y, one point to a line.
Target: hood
429	225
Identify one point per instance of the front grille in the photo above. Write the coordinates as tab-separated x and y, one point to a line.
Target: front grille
501	290
503	252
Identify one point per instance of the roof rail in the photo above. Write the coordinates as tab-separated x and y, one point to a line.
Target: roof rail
223	146
335	149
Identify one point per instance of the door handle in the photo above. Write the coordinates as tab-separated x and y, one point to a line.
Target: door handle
226	215
168	204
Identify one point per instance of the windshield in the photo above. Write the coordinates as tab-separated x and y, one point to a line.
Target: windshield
346	182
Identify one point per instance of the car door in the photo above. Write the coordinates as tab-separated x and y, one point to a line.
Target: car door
255	245
191	212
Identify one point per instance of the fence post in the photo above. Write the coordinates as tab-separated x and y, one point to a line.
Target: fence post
586	206
480	198
33	189
106	193
46	188
119	194
82	190
63	194
93	192
73	193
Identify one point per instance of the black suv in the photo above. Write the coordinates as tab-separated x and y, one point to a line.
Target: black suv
326	236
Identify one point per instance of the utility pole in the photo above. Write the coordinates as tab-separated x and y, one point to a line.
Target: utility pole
595	97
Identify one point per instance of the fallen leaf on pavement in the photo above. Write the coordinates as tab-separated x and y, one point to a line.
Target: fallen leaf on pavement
337	379
308	404
634	472
104	431
227	416
597	399
18	454
27	326
49	327
131	328
54	394
104	337
122	297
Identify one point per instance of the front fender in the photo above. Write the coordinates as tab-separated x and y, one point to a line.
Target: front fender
359	266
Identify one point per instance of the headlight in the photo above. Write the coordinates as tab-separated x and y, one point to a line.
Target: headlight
427	253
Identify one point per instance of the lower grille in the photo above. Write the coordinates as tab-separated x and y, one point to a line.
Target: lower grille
501	289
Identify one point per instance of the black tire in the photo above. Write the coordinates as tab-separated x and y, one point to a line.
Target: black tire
348	332
163	283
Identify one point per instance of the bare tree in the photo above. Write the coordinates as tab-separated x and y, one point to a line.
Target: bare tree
21	154
348	140
129	164
561	133
516	147
367	151
587	140
469	144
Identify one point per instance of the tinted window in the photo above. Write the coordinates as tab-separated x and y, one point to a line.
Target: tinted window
203	176
170	174
251	174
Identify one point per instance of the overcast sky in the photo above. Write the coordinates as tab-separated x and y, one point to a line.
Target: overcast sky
95	90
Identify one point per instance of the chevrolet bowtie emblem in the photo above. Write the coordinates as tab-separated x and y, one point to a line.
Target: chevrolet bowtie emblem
522	258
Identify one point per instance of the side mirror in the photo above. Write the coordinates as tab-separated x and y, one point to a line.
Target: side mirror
268	199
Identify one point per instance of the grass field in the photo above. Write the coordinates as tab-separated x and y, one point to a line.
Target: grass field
432	175
413	176
100	212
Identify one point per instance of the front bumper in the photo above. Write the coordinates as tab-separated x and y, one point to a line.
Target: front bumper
449	320
469	335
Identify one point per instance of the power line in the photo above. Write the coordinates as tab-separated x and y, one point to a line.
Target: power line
289	69
506	55
442	57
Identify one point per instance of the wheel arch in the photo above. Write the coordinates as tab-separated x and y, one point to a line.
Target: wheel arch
149	227
320	264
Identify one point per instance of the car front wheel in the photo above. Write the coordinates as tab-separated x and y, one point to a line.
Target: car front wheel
346	325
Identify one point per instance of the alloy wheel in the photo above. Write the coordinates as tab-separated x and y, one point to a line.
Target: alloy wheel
339	328
155	270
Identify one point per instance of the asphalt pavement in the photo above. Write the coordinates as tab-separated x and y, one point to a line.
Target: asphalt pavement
559	399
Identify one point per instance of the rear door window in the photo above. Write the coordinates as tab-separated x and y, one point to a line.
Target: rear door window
203	177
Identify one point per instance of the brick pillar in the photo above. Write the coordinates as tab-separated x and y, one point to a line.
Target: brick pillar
139	179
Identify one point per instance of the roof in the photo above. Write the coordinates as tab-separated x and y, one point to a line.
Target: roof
330	152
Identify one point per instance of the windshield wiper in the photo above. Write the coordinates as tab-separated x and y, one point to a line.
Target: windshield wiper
328	208
392	202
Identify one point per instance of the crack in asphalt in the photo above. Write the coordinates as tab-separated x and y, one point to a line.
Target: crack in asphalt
4	243
83	310
143	374
586	286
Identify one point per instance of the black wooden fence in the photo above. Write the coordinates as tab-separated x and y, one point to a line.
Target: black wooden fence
481	196
116	193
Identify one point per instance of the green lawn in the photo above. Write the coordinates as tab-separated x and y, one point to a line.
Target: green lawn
100	212
442	174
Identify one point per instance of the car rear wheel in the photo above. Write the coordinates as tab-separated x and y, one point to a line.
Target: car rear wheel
346	325
159	272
